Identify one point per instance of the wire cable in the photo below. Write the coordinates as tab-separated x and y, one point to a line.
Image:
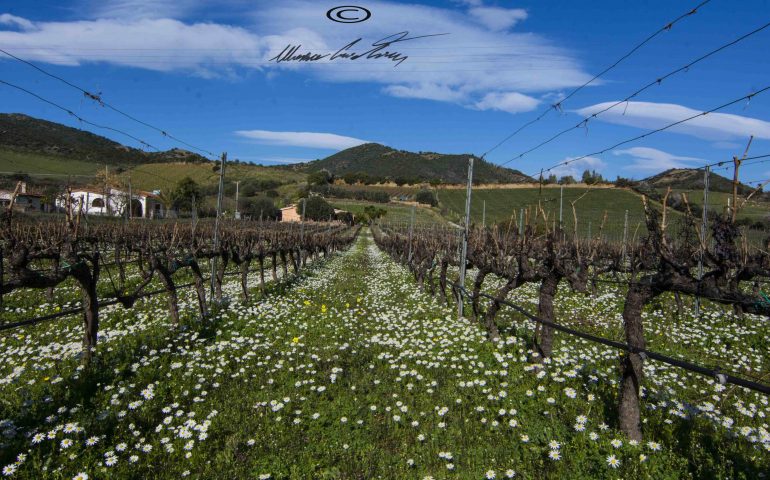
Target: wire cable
558	105
584	122
98	98
652	132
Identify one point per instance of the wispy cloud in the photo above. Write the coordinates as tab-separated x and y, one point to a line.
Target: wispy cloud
135	9
17	22
479	65
576	168
651	159
714	126
511	102
496	18
301	139
281	160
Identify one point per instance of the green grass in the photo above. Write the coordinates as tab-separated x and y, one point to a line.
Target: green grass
11	161
352	373
396	212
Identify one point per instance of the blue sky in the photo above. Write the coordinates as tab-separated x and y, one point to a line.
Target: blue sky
201	70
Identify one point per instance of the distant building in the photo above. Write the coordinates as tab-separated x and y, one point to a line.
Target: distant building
115	203
25	202
289	214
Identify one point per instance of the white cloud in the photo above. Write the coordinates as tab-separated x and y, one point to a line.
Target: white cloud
496	18
136	9
652	159
511	102
14	21
426	91
282	160
576	168
461	67
301	139
154	44
726	145
714	126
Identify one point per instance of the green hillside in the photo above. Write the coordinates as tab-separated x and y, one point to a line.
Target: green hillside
380	161
48	165
397	212
154	176
22	133
692	179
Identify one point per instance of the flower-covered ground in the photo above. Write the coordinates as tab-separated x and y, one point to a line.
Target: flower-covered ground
352	372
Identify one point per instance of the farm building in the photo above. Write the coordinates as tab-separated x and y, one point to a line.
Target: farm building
289	214
114	202
25	202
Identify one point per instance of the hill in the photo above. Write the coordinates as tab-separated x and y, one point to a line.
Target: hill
379	161
28	135
692	179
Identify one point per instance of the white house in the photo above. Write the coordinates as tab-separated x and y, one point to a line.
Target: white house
98	202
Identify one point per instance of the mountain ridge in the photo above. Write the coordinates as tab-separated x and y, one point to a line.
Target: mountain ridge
23	133
385	162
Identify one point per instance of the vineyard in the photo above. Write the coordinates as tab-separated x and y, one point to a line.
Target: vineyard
314	345
210	268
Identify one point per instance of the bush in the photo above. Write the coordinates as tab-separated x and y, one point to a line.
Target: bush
321	177
427	197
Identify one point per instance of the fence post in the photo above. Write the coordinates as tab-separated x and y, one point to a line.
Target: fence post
521	221
302	221
625	237
704	223
561	208
411	230
216	222
484	215
464	251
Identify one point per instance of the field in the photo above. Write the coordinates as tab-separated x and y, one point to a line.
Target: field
503	204
351	371
398	213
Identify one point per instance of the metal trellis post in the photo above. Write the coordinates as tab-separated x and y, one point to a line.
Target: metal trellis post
216	221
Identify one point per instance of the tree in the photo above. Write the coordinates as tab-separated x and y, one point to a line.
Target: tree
320	177
566	180
350	178
624	182
261	207
371	213
183	192
427	197
316	209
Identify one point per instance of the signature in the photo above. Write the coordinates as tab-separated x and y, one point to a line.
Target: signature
292	53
